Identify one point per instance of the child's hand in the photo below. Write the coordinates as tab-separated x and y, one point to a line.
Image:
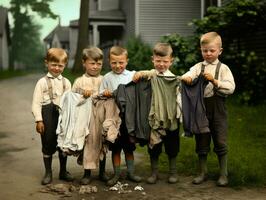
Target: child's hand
137	76
208	77
40	127
187	80
107	93
87	93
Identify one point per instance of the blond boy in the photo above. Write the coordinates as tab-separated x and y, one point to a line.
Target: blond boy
46	97
221	84
118	59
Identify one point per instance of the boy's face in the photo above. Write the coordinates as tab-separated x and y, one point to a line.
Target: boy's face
55	68
210	52
118	63
93	67
162	63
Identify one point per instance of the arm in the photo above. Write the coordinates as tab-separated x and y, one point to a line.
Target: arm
226	84
193	73
37	107
146	74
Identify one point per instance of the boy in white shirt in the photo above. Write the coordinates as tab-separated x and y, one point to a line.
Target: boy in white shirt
46	98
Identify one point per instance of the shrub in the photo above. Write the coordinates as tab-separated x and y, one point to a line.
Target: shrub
139	54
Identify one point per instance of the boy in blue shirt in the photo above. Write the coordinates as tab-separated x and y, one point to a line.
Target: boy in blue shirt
118	58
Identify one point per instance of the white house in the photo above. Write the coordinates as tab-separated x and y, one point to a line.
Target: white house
4	39
114	21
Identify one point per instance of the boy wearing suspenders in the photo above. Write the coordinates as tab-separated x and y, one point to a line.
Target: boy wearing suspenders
221	84
46	98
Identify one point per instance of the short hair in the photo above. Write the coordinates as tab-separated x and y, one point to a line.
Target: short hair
93	53
56	55
211	37
162	49
117	51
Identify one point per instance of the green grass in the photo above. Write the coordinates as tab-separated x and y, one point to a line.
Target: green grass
10	74
246	143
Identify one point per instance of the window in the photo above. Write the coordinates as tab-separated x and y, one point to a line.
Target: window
207	3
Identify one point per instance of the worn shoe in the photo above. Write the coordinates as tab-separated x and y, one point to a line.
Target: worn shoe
85	180
200	179
134	178
47	179
222	181
152	179
113	180
103	177
172	178
66	176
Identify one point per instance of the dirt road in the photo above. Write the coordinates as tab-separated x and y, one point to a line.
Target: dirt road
21	166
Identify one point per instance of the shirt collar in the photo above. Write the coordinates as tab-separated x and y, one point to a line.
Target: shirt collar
125	72
52	77
89	76
166	73
213	63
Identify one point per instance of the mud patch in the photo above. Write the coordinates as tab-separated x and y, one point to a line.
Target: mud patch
5	150
3	135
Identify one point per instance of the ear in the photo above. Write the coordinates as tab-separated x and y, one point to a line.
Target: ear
221	50
46	63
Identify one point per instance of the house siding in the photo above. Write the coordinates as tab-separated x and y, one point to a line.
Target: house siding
108	4
166	17
128	7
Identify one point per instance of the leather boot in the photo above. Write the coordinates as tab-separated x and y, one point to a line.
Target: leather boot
172	170
203	170
154	171
48	177
130	172
102	174
64	174
115	178
223	180
86	179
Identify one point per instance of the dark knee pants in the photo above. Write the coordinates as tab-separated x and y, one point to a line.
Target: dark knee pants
171	145
50	116
217	116
124	141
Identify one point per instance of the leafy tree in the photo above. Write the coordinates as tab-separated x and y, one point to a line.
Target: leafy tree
139	54
239	23
26	45
82	35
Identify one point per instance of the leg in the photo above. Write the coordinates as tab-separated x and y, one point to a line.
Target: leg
64	174
202	149
129	157
171	144
102	174
154	157
86	179
219	139
116	158
47	179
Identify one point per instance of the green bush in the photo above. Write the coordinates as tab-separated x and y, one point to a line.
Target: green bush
236	22
186	52
139	54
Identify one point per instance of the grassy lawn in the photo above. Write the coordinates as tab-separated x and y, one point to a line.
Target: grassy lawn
247	148
9	74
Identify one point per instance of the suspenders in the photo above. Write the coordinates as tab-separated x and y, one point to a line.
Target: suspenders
216	72
50	88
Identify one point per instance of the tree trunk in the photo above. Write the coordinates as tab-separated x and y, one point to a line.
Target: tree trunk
82	35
